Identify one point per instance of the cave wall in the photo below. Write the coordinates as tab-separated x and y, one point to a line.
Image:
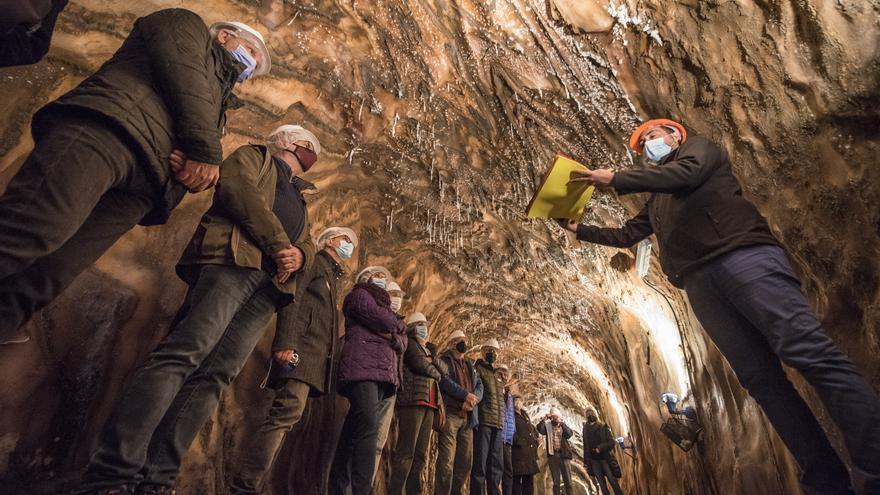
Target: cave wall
438	119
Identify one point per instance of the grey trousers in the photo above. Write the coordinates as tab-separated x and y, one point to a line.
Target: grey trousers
561	474
386	414
411	450
455	450
262	449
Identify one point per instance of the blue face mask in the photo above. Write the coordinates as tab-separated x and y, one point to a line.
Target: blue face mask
345	249
422	332
657	149
241	54
379	282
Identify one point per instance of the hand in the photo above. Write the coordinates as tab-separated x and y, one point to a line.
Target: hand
196	176
284	357
598	178
471	399
567	224
288	260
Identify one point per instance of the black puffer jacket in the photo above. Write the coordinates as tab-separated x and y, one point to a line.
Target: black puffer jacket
697	210
420	375
524	452
167	87
491	408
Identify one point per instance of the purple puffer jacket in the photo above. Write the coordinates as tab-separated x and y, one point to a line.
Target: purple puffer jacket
368	354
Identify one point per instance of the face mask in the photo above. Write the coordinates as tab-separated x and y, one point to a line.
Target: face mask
396	302
345	249
379	282
592	419
657	149
422	332
490	357
250	65
461	347
306	157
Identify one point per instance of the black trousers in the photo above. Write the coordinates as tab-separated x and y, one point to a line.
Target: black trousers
602	473
488	464
355	456
507	478
79	190
559	471
524	484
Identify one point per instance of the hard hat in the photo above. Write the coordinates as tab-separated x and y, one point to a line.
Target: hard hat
393	286
293	133
250	34
554	411
416	318
333	232
493	343
368	272
457	335
635	139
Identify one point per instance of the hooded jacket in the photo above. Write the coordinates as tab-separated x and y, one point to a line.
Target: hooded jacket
697	210
167	87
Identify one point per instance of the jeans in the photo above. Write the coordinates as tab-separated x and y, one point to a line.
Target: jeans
411	451
79	190
507	478
355	458
178	387
386	414
262	449
454	456
561	475
524	484
751	305
488	461
602	472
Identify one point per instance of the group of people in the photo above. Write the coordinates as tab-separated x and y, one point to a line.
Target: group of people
123	148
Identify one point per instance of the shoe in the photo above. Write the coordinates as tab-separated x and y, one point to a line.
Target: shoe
153	489
113	490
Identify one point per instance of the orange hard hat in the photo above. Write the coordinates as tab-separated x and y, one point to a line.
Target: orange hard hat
635	143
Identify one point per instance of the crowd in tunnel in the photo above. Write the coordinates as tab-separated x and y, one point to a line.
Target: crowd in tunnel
442	410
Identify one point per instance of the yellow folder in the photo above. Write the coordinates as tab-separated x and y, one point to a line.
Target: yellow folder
556	198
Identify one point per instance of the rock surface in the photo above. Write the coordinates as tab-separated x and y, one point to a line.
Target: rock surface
438	119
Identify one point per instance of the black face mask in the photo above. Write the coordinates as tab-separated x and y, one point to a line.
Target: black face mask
490	357
592	419
306	157
461	347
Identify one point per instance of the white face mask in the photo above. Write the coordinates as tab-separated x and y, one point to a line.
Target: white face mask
396	302
379	282
345	249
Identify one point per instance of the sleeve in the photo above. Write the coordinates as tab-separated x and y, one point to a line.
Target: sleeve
587	446
608	444
697	160
566	431
361	306
417	361
633	231
542	427
449	387
295	318
178	44
305	244
478	388
245	204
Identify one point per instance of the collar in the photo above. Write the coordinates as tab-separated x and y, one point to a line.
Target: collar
299	183
338	270
227	70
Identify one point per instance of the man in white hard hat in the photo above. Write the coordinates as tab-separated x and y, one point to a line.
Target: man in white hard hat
558	450
244	260
120	149
305	344
417	402
488	466
461	393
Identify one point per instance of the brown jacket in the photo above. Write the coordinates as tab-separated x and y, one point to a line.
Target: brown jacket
240	228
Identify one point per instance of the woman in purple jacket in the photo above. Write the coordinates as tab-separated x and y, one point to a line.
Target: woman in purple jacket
375	338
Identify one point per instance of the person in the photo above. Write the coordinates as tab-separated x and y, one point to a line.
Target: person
120	149
508	428
462	393
558	450
375	336
488	464
417	403
717	246
234	289
26	28
524	452
386	410
598	444
306	333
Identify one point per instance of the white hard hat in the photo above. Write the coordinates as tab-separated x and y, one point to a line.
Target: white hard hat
250	34
285	135
417	318
393	286
493	343
457	335
333	232
501	367
367	273
554	411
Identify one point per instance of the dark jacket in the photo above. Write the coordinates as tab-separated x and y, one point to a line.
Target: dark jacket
26	28
374	337
454	394
697	210
240	228
419	375
167	87
524	452
310	325
597	436
565	451
491	412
